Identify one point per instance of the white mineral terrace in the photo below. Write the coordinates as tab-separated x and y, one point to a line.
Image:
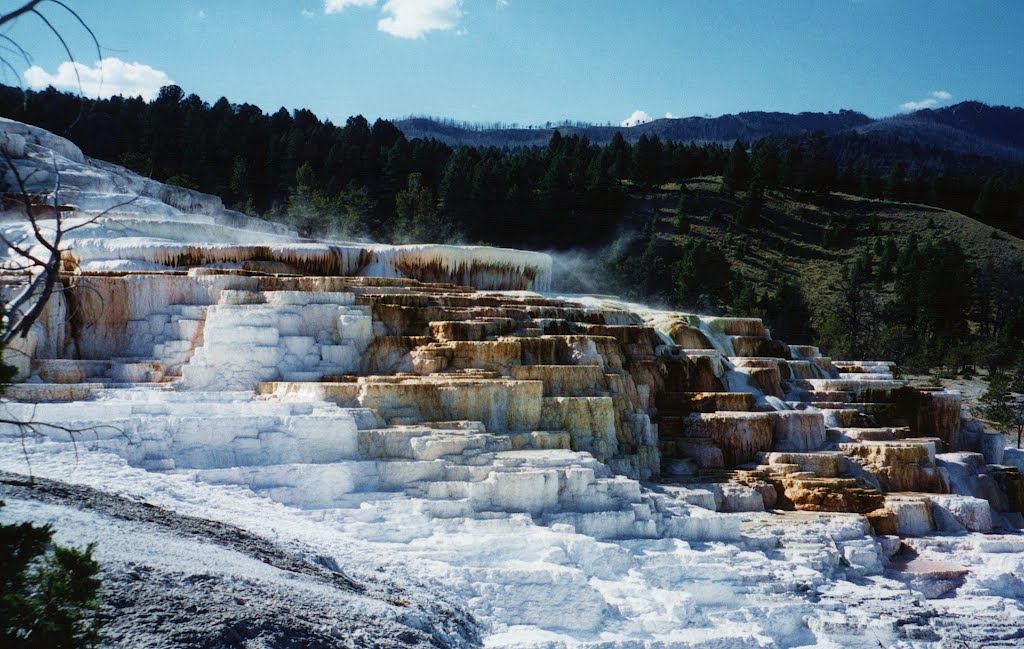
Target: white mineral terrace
578	471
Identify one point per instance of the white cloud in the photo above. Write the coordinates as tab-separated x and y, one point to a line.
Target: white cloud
934	98
306	13
670	115
637	117
337	6
502	4
201	14
919	105
107	78
414	18
410	18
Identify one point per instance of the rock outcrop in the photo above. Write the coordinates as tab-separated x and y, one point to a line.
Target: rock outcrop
428	340
447	384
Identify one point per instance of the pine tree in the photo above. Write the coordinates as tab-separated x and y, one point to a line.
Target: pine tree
895	187
737	174
620	152
886	259
49	593
790	166
702	275
417	214
750	214
867	180
648	161
744	299
765	162
239	183
853	323
682	218
787	312
817	171
874	224
993	202
997	402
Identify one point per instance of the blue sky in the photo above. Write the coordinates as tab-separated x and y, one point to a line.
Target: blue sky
533	61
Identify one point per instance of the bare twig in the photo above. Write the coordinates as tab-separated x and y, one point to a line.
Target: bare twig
27	305
24	9
92	35
38	429
96	217
18	47
64	44
35	8
34	257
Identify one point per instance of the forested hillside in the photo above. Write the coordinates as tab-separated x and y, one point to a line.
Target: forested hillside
866	278
809	230
370	180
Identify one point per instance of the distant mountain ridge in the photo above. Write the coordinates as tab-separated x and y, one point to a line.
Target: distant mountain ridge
969	127
726	128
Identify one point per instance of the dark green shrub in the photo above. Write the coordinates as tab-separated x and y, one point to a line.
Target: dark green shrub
49	593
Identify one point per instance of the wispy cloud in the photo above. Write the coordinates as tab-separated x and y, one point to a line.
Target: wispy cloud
338	6
502	4
637	117
410	18
670	115
107	78
934	98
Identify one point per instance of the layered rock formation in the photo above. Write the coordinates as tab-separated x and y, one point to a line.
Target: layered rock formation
447	384
427	339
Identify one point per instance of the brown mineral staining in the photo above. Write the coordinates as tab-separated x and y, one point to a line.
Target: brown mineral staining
420	344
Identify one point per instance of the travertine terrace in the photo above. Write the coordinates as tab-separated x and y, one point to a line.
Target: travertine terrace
413	388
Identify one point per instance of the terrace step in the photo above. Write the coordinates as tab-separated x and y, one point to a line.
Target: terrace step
671	403
821	464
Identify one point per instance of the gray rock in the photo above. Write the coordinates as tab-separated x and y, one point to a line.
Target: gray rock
256	594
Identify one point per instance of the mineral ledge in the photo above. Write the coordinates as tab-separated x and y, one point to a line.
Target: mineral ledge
580	469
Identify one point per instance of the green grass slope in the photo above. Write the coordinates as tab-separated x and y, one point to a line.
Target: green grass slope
792	234
813	239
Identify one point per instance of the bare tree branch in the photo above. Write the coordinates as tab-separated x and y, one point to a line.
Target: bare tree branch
38	274
96	217
92	35
24	9
16	247
34	7
43	271
42	429
10	67
18	47
64	44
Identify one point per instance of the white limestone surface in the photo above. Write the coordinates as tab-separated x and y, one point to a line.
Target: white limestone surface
546	548
117	220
